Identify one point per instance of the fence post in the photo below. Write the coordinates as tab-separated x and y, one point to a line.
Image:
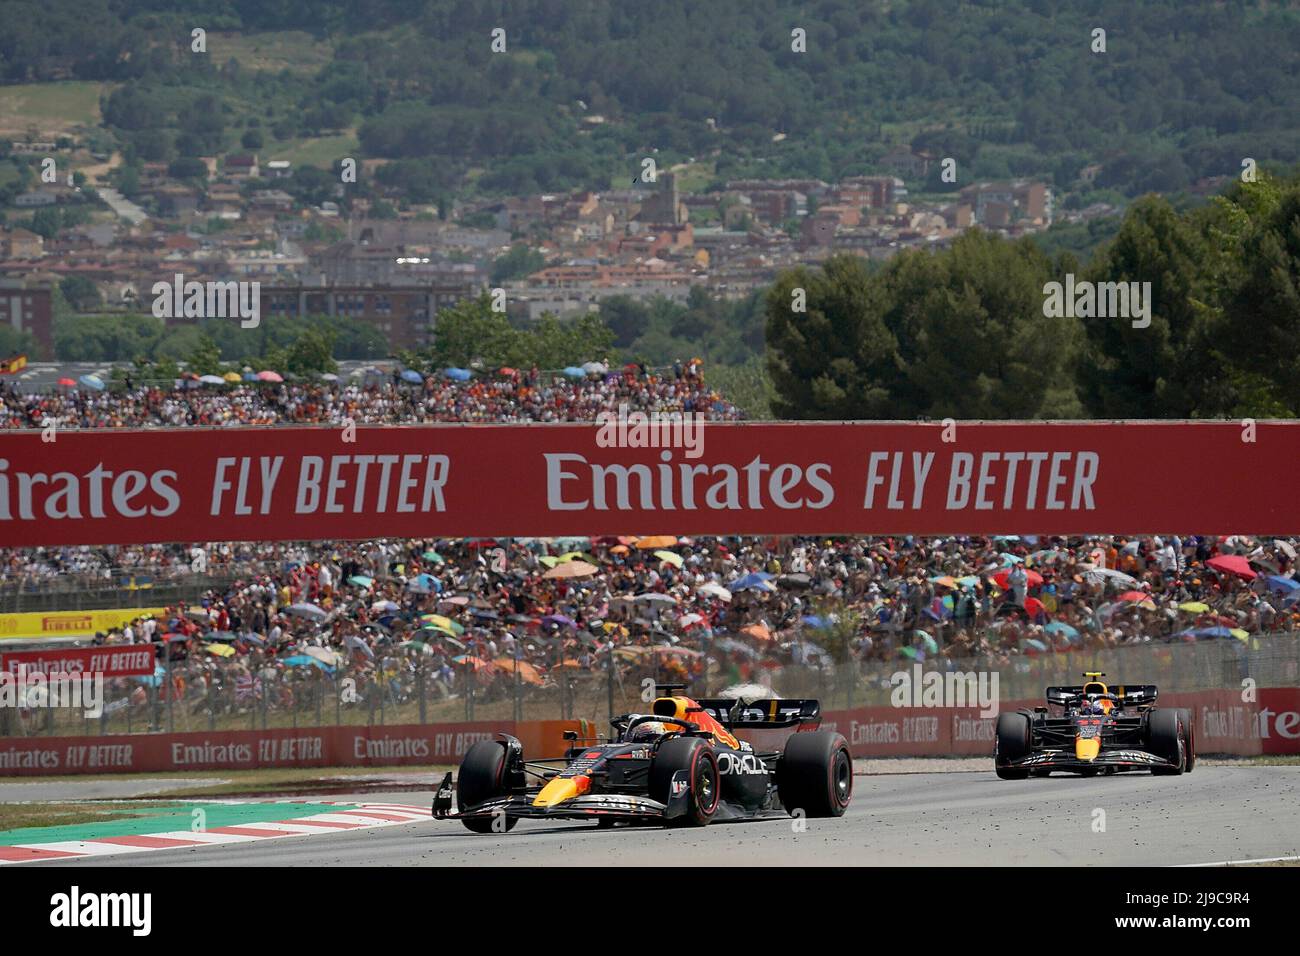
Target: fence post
609	683
171	693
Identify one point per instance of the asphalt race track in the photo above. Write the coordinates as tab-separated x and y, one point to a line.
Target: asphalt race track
1217	814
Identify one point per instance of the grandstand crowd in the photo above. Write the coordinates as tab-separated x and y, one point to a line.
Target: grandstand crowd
508	395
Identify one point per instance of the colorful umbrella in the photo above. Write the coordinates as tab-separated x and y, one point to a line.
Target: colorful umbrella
1032	578
1233	564
572	569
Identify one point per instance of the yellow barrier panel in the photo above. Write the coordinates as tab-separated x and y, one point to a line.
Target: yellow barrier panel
33	624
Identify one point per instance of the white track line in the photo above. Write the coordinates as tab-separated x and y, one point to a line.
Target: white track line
1265	859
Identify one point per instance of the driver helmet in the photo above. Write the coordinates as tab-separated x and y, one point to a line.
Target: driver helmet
648	732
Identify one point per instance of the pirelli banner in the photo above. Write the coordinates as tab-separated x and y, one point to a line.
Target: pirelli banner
643	476
33	624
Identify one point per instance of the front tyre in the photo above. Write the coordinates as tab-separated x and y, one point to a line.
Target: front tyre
482	777
1166	738
695	756
815	774
1189	740
1013	742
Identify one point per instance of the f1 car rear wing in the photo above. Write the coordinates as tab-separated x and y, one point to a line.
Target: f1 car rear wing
1132	695
763	713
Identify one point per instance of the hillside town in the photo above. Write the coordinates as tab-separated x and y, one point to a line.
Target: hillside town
243	218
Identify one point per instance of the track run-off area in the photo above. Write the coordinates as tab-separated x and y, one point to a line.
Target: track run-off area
1217	814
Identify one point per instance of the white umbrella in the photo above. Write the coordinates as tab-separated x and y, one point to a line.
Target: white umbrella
357	644
1099	575
654	597
748	693
311	612
324	655
717	590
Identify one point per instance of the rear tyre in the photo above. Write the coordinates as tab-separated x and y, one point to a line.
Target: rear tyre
482	777
695	756
1013	743
815	774
1165	738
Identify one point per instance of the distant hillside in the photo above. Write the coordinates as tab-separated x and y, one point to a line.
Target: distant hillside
584	89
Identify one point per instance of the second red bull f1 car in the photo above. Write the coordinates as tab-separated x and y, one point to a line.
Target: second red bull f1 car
679	765
1097	730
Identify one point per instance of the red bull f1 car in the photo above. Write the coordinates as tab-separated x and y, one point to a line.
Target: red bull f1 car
1097	729
678	765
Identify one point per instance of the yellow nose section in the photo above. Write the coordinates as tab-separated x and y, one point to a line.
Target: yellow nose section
1087	749
560	789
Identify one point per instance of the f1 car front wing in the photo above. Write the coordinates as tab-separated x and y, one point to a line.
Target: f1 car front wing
622	806
1066	760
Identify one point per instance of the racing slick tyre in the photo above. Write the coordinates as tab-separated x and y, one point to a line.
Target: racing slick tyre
1013	742
1166	730
695	756
1189	751
482	777
815	774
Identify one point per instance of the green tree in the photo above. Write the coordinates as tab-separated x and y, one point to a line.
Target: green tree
205	359
105	338
973	337
1164	370
835	357
82	294
470	331
520	261
1260	322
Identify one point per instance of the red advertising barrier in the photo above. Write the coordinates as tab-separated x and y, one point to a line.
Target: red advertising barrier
133	660
1224	724
123	487
396	746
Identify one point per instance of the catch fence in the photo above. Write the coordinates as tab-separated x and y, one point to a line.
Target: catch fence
408	686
